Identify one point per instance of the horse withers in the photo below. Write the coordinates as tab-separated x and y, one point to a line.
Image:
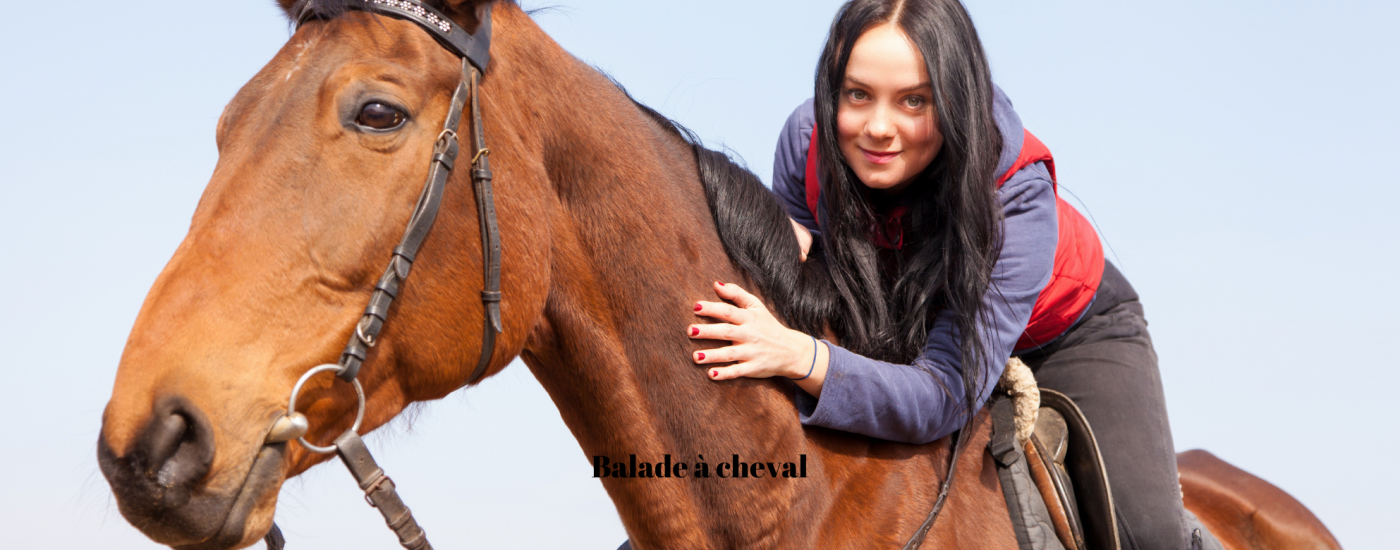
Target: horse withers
606	241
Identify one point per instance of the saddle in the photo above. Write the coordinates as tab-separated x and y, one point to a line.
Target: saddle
1053	477
1051	471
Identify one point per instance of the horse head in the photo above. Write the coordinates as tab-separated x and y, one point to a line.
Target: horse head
322	156
613	222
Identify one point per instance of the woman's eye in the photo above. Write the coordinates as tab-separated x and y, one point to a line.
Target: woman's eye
379	116
857	95
914	102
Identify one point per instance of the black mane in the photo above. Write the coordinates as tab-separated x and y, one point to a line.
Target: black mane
758	237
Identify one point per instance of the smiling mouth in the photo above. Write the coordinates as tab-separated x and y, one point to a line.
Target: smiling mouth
879	158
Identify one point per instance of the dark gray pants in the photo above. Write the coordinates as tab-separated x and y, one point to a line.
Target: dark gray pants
1108	367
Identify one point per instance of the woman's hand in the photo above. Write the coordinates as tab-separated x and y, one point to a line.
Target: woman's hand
762	346
804	237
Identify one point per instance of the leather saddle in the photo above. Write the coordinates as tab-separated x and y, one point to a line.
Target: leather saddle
1059	495
1064	446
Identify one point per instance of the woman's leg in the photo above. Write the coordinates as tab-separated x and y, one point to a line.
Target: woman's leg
1108	367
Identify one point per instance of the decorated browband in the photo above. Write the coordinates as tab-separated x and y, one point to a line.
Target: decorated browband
475	48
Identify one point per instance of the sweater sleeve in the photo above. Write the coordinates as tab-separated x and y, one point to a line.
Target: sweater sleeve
790	166
924	401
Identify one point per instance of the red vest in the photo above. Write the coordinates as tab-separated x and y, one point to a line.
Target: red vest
1078	255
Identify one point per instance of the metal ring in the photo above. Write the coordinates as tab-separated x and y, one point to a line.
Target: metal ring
446	132
292	405
480	153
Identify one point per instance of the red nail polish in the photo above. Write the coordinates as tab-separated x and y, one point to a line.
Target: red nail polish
694	331
701	356
697	307
721	283
714	373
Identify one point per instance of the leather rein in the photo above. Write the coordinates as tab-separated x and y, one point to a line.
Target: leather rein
474	49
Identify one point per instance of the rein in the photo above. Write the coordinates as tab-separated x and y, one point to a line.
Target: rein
474	51
918	538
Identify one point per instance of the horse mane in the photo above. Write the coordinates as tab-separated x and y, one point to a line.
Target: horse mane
757	236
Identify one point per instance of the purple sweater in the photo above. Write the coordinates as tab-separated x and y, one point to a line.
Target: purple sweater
906	403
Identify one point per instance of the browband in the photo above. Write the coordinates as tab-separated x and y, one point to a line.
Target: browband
475	48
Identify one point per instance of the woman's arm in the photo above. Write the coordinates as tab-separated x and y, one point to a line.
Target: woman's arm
909	403
790	166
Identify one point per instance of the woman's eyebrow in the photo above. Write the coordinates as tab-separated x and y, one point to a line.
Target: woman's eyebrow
919	86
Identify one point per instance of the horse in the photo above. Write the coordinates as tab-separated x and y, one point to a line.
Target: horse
613	223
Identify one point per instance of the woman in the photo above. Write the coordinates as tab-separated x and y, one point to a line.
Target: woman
937	218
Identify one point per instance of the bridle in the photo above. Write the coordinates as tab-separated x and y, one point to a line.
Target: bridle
474	49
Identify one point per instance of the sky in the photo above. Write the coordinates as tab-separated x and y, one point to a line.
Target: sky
1233	154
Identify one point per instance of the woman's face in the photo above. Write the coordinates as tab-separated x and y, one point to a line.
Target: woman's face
885	116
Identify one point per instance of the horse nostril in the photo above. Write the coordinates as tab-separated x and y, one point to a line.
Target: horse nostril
165	440
178	448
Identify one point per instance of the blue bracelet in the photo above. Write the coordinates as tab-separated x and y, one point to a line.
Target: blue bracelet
814	361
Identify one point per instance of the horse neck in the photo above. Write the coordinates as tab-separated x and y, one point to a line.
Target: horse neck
633	246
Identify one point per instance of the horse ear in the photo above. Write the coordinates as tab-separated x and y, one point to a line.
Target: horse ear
466	12
289	7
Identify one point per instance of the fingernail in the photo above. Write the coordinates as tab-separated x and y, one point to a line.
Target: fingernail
697	307
721	283
714	373
694	331
701	356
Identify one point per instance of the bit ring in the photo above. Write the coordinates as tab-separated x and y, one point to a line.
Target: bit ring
292	405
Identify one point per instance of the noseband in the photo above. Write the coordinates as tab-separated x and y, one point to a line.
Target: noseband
474	49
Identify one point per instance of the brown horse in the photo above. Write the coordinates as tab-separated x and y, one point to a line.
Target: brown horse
607	242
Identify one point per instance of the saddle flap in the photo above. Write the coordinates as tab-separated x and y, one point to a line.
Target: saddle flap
1084	466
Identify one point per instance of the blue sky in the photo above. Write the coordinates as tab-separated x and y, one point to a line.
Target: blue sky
1234	154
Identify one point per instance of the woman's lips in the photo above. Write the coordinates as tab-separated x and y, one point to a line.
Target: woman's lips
879	158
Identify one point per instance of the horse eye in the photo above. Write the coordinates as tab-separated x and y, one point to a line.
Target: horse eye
379	116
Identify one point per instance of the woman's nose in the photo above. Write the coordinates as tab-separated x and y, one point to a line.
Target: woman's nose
880	127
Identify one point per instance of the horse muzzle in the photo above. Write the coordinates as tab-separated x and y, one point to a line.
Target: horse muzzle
161	481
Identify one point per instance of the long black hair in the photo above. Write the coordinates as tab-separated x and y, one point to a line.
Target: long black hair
954	235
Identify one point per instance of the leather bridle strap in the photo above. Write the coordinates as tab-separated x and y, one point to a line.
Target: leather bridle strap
445	151
474	50
490	234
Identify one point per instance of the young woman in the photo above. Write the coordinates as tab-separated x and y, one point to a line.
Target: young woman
910	176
